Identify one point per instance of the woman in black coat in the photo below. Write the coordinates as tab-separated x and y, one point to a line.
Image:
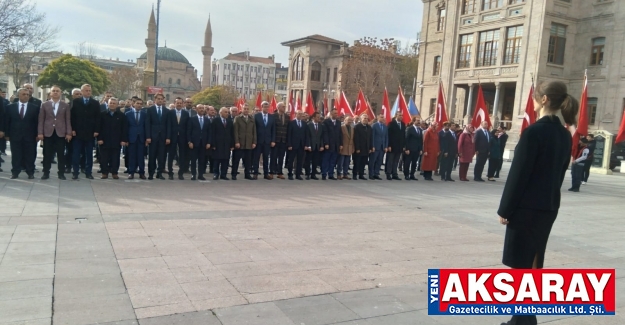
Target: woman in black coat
531	198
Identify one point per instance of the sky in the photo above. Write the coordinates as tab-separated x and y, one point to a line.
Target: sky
118	28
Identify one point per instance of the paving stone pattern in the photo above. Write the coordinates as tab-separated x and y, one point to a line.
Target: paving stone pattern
269	252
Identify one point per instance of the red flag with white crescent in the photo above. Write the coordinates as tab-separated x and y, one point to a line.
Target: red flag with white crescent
441	108
481	112
530	115
386	107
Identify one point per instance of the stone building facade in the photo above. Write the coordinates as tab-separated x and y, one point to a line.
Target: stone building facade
505	44
247	74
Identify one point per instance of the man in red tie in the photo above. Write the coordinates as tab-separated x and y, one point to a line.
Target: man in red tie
20	129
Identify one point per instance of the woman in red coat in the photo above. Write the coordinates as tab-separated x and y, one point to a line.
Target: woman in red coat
431	150
466	150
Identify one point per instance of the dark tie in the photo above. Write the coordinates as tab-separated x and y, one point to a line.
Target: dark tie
265	119
22	112
315	127
86	100
137	115
201	123
399	124
299	125
159	113
223	120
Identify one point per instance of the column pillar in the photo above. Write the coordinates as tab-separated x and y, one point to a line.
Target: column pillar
469	115
496	103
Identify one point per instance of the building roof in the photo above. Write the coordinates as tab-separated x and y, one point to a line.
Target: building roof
316	37
167	54
244	56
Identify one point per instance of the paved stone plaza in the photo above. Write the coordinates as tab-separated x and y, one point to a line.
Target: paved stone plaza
270	252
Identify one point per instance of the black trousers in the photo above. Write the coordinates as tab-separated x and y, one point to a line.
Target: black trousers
3	145
156	156
221	167
499	167
109	160
410	163
22	152
447	165
179	149
246	155
493	164
312	158
277	158
359	165
392	160
479	165
198	160
54	145
586	173
292	156
262	149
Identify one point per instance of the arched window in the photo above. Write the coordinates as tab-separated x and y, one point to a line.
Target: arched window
437	65
596	55
315	72
178	82
169	81
298	68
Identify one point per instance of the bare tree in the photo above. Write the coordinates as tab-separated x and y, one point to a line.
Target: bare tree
124	82
86	50
20	51
16	17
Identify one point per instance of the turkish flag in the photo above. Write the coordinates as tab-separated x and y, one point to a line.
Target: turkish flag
582	124
481	112
241	103
273	106
362	107
620	137
441	108
530	115
403	107
291	105
259	100
310	106
386	107
344	107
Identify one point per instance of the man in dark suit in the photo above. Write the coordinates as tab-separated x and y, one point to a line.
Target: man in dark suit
363	146
278	152
266	137
188	106
414	149
32	100
157	132
222	143
178	119
396	145
333	139
85	114
482	149
104	104
136	119
503	139
449	151
69	146
380	144
20	129
198	138
113	135
297	144
55	129
317	146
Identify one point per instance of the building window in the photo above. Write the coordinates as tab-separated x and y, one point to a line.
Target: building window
432	105
557	43
327	75
487	49
491	4
598	45
513	2
513	45
437	65
298	68
592	110
441	19
315	72
464	57
167	97
335	76
178	82
169	81
468	6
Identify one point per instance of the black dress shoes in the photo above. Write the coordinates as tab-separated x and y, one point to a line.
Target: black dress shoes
234	177
396	178
180	177
13	176
89	176
201	178
323	178
307	177
299	178
215	177
314	178
225	178
332	178
290	178
45	176
193	177
74	177
171	177
31	176
62	177
160	176
151	177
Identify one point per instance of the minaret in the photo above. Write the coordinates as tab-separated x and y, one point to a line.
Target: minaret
207	50
150	42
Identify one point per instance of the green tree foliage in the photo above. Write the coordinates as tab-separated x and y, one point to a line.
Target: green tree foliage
70	72
216	96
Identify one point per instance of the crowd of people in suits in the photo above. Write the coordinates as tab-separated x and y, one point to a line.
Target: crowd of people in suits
200	138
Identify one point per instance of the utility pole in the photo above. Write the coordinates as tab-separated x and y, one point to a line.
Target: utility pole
158	14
